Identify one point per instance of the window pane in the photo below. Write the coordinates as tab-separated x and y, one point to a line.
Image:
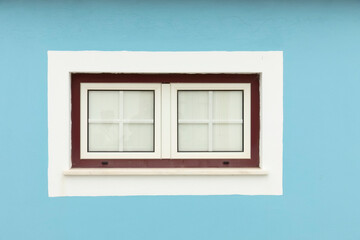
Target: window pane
193	137
138	104
227	137
103	104
121	121
227	105
103	137
138	137
193	105
210	120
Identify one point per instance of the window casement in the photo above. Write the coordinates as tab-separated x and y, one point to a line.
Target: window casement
165	120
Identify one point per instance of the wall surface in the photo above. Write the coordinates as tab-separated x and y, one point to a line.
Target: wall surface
320	40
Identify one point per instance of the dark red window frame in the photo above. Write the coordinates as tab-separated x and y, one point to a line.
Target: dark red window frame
78	78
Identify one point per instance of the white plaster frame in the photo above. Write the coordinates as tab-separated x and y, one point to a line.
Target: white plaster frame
64	181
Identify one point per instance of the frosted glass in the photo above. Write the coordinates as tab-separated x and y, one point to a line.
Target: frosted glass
138	137
138	105
227	105
224	125
193	137
193	105
227	137
104	104
103	137
112	121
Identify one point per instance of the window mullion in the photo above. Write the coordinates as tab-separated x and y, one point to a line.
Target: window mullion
165	121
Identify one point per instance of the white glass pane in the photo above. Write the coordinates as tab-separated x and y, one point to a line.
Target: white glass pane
193	105
227	105
103	105
227	137
138	137
103	137
138	105
193	137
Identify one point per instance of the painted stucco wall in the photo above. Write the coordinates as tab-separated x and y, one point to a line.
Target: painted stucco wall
320	40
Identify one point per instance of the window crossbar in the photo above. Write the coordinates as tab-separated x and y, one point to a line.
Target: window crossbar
206	121
135	121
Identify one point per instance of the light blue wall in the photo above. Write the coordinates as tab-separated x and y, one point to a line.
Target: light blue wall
321	44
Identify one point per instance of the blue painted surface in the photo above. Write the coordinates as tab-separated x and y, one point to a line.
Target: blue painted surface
320	40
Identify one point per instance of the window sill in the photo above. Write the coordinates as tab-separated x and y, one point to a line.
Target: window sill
164	171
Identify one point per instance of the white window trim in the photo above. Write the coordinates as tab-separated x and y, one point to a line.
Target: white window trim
64	181
159	111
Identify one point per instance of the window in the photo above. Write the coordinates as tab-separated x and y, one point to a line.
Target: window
165	120
154	123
